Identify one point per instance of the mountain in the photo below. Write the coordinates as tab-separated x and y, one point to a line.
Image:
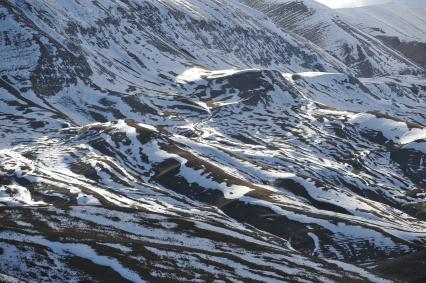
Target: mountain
414	3
407	37
195	140
356	47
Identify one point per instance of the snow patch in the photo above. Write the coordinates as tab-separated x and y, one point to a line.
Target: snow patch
395	131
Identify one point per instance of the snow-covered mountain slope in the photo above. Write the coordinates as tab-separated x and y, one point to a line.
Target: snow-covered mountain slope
399	26
403	21
327	28
197	141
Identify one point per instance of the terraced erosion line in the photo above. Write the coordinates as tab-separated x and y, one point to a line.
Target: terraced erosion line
207	141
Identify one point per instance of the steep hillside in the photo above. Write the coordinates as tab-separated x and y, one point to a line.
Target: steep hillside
365	54
195	140
399	26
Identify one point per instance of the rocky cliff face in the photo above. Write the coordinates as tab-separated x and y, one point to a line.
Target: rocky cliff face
202	141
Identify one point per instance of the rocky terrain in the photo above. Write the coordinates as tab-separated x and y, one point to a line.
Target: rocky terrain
209	141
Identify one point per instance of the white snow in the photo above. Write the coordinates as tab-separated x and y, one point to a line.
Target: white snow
417	145
83	199
395	131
